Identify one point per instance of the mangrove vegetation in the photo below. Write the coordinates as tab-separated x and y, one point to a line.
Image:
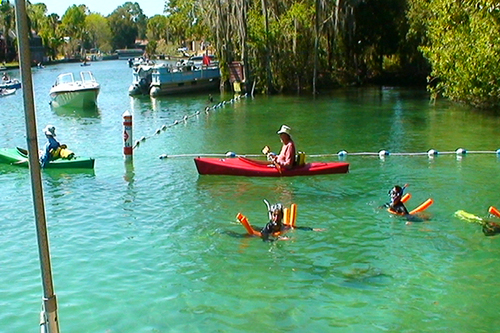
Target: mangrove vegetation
303	46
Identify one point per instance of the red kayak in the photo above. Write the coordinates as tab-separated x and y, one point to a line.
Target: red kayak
241	166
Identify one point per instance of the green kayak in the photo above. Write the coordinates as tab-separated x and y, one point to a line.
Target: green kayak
19	156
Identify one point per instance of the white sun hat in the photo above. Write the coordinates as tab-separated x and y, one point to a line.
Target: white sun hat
50	130
284	129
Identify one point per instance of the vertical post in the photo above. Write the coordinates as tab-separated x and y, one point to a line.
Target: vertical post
49	321
127	135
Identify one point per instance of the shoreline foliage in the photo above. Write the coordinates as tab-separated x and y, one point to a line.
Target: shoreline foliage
301	46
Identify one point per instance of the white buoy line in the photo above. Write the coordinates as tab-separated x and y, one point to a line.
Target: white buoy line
184	119
431	153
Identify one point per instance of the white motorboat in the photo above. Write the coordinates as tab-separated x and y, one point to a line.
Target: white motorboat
6	92
82	93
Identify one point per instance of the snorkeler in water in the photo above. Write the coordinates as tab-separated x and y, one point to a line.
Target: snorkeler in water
275	224
396	205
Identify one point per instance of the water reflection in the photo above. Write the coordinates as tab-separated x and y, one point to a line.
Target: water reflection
69	111
56	176
129	173
129	177
50	174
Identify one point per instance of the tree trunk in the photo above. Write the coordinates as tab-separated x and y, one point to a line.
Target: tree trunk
268	53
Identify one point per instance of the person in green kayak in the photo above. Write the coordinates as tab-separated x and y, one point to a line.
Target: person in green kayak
51	145
286	157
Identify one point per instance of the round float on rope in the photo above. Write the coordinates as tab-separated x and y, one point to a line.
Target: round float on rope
176	122
342	153
158	131
230	154
432	152
162	156
143	138
164	127
498	151
137	143
185	118
383	153
461	151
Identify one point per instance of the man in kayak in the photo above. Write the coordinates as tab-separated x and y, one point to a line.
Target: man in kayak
51	145
286	158
396	205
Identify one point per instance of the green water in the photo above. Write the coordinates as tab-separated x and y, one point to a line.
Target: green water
154	247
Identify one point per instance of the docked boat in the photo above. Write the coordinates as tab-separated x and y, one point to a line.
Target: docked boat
241	166
10	84
67	91
19	157
141	79
184	77
6	92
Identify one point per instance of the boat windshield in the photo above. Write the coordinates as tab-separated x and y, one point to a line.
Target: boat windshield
65	78
87	77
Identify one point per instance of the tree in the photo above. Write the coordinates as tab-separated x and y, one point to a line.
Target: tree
99	32
51	35
157	28
37	16
463	49
73	26
127	23
7	21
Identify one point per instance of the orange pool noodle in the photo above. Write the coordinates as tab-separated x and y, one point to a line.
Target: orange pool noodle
293	215
423	206
244	220
286	216
493	211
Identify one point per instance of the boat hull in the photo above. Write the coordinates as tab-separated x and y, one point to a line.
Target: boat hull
11	84
78	98
69	92
7	92
168	82
19	157
241	166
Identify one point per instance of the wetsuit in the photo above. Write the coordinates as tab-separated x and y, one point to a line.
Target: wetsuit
52	144
270	228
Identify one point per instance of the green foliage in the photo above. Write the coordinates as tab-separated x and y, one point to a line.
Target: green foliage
73	21
157	28
123	27
276	39
99	33
464	48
